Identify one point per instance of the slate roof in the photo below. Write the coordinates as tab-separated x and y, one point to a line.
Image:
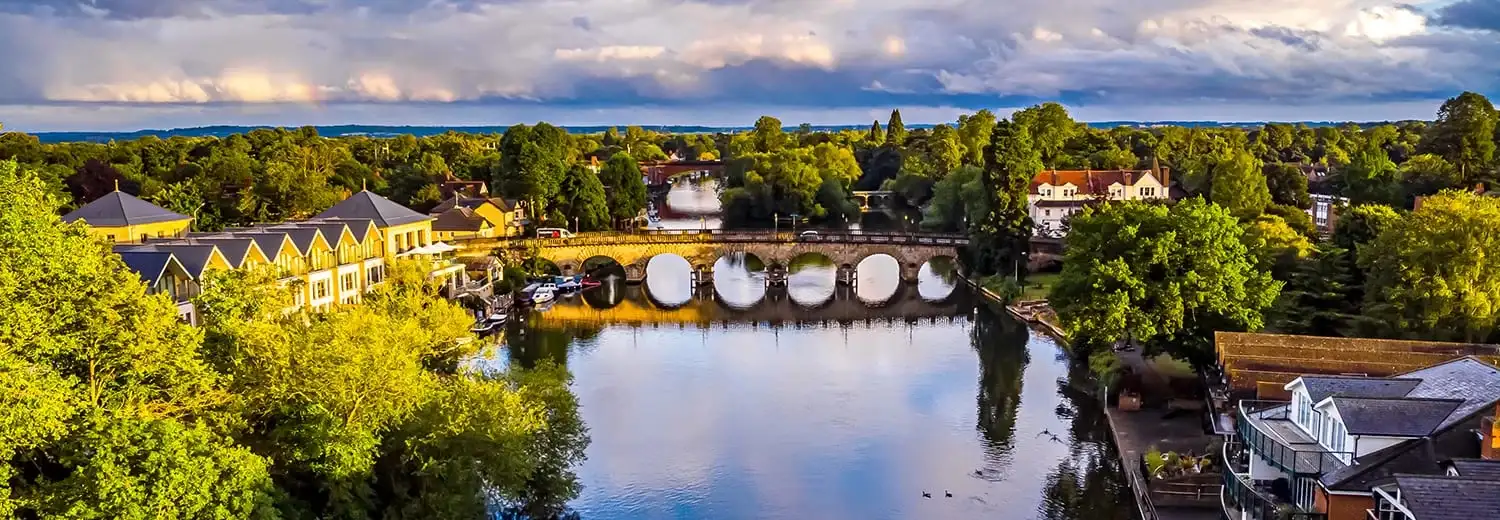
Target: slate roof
149	265
1393	417
460	219
268	241
302	237
193	257
1475	382
119	209
333	230
1449	498
235	249
1323	387
1477	468
368	205
359	226
472	203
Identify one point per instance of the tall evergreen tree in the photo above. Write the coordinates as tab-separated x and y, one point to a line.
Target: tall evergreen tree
876	135
1321	298
1239	185
895	130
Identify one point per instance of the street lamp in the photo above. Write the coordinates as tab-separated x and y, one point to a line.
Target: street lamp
775	223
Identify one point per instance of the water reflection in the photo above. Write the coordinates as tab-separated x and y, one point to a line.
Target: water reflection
740	280
669	280
854	421
879	277
812	280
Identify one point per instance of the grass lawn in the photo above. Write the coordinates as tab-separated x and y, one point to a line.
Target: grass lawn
1039	285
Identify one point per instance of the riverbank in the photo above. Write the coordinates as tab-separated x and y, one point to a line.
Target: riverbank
1136	433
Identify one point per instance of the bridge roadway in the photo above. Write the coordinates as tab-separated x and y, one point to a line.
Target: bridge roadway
634	305
702	249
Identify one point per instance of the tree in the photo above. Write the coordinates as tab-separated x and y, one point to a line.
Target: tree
895	130
582	200
1288	185
974	135
1166	276
1239	186
1430	274
767	135
101	383
947	211
876	136
1297	219
1464	134
1050	127
1371	177
1003	236
625	189
1321	297
1276	246
1428	174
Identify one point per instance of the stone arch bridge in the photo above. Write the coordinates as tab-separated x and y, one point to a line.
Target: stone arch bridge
776	250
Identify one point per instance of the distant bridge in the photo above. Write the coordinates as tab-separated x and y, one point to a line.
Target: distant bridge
658	172
703	248
869	199
635	306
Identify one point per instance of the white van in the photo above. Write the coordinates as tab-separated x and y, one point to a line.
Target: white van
548	232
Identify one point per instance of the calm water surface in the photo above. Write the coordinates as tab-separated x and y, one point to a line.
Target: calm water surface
816	401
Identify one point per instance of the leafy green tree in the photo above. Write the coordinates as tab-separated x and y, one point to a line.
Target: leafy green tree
946	210
1167	276
767	135
974	135
895	130
1428	174
626	191
1358	225
1430	274
1371	177
1003	236
1297	219
582	200
1288	185
1239	186
1276	246
1464	134
1050	127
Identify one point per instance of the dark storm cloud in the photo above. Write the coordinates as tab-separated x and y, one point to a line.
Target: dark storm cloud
1472	14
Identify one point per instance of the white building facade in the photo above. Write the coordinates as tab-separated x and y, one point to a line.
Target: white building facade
1056	195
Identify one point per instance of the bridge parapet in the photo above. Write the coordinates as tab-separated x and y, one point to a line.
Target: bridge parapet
703	249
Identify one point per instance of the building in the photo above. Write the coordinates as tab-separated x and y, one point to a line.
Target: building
460	218
1451	497
331	259
1325	211
1333	449
120	217
1055	195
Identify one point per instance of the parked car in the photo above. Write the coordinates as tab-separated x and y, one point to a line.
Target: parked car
553	233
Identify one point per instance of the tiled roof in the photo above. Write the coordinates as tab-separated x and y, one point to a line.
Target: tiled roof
1089	182
359	226
268	241
368	205
1323	387
1393	417
1477	468
119	209
302	237
1450	498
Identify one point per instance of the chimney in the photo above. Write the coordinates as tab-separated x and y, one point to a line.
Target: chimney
1129	178
1054	177
1489	435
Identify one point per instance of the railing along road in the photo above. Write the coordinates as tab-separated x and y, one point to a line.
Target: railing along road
841	237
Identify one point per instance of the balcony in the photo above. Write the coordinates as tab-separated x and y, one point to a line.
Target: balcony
1266	429
1242	499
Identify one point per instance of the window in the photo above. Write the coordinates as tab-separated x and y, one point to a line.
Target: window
320	290
111	237
1148	192
1047	212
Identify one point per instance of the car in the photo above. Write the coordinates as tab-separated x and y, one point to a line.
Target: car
808	234
553	233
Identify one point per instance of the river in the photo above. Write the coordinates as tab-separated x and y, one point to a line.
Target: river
816	401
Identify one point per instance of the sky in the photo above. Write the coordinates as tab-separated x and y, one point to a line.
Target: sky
132	64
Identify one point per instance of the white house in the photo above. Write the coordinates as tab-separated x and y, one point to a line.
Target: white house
1056	195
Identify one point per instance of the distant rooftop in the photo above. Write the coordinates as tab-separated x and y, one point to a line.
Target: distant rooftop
120	209
368	205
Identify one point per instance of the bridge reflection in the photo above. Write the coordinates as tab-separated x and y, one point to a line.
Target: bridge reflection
633	305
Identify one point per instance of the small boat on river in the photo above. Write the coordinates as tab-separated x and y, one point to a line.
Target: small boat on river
485	327
545	293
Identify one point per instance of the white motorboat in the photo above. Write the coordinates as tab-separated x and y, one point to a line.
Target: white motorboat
545	293
485	327
498	317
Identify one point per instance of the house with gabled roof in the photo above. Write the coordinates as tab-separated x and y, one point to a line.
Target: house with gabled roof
457	218
1340	440
1056	195
164	274
120	217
